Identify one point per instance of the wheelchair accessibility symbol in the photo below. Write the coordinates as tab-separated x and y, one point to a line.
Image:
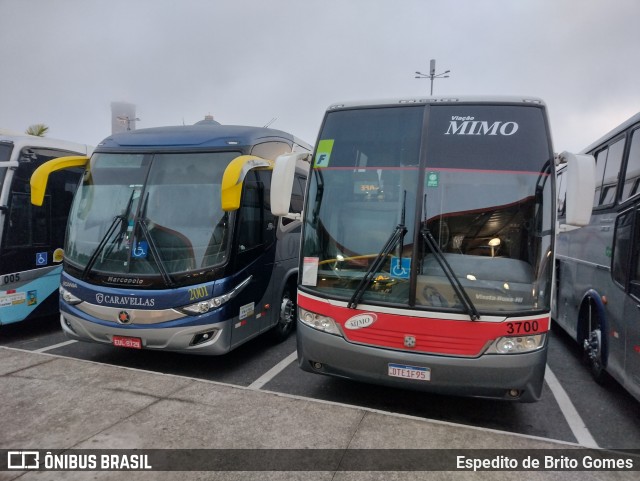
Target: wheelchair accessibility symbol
141	250
42	258
400	267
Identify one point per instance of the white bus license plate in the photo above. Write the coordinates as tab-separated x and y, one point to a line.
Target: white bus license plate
410	372
130	342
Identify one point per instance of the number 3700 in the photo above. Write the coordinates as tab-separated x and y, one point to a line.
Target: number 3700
524	327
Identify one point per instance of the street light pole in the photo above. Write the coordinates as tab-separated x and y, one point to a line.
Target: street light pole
127	121
432	74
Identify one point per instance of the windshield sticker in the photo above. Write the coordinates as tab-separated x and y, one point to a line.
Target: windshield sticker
323	154
487	297
32	298
310	271
433	179
42	258
364	187
141	250
400	267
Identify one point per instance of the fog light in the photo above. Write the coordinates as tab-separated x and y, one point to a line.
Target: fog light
514	393
202	337
316	365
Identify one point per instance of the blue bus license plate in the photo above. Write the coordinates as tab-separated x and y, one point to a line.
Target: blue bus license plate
410	372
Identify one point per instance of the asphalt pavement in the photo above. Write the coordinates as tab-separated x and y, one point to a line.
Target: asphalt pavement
63	418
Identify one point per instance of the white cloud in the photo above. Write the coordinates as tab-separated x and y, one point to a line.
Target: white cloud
248	61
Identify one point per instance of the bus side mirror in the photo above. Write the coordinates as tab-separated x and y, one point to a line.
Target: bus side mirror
40	176
233	179
581	187
282	183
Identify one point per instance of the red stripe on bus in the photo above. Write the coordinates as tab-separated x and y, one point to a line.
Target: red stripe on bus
432	334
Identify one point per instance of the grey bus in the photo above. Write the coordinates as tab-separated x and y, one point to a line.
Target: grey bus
598	266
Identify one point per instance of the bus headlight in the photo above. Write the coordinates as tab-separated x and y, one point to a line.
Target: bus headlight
68	297
517	344
316	321
202	307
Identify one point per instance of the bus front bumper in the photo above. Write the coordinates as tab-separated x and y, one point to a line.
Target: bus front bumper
177	339
513	377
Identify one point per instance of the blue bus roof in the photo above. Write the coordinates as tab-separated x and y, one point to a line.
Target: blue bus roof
195	136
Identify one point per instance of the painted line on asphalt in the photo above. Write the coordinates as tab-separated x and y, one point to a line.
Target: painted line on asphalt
274	371
315	400
577	425
55	346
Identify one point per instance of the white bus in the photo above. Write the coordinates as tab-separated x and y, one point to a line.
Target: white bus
32	237
428	243
598	266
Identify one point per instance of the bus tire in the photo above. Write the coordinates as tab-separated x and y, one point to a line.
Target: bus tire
287	315
593	342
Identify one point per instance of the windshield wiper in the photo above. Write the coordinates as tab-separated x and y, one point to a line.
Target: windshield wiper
396	236
142	222
457	286
156	253
122	218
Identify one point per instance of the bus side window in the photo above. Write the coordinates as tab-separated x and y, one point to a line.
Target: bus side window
28	225
62	186
297	197
621	249
608	163
256	225
562	193
45	225
632	176
612	173
601	161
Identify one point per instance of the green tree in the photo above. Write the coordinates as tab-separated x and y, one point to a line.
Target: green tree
39	130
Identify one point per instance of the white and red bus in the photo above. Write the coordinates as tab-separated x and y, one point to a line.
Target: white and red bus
428	245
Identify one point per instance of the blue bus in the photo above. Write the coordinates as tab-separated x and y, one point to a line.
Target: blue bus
32	237
171	244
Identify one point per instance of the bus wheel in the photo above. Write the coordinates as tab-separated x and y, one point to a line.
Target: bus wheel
592	345
286	316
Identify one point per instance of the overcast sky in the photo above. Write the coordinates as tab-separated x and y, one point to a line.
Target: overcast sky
250	61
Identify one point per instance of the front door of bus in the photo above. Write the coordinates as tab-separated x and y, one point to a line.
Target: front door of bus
254	256
632	311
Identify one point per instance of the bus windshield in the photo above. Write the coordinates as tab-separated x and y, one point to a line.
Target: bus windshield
474	177
155	214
